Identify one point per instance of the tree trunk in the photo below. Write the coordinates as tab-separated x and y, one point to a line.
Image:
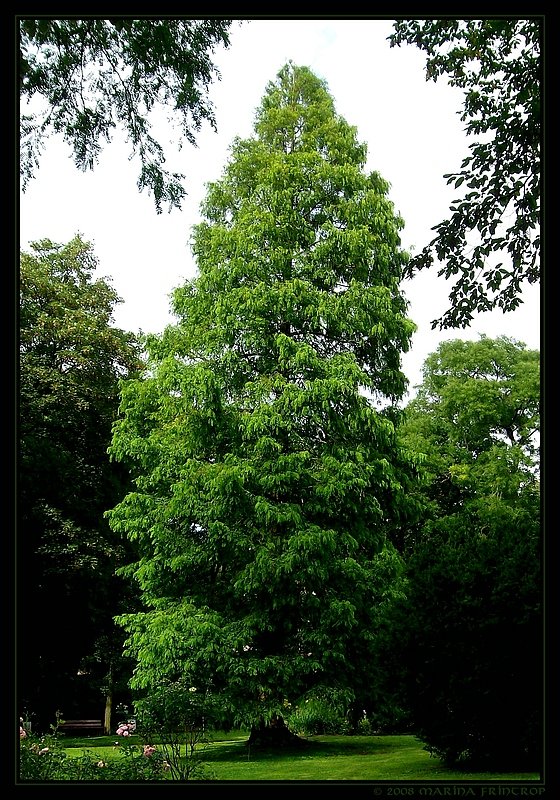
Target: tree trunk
273	734
108	704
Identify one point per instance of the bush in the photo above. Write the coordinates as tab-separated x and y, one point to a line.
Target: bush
364	727
174	715
471	635
178	715
43	759
319	716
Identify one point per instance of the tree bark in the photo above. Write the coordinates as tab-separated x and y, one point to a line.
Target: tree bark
108	704
274	734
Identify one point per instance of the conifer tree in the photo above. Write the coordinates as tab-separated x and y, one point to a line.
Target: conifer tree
264	441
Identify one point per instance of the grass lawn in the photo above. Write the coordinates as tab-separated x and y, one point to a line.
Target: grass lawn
336	758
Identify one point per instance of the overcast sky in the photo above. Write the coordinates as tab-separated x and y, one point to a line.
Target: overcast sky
413	133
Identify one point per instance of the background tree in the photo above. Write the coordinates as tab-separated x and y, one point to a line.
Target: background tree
263	442
491	242
70	364
85	77
468	630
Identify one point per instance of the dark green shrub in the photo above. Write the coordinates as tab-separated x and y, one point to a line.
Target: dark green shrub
470	633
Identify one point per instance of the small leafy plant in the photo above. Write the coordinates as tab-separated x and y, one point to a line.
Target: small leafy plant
43	759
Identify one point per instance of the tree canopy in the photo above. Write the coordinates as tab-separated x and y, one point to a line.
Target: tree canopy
71	360
468	633
490	245
263	443
86	77
478	400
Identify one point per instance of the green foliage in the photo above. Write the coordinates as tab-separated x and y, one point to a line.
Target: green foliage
469	628
178	717
263	443
85	77
490	245
324	711
71	360
472	623
475	418
43	759
40	757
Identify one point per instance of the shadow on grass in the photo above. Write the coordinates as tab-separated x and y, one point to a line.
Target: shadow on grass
310	747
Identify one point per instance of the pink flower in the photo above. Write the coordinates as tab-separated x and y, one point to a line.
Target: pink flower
43	750
22	733
149	750
126	728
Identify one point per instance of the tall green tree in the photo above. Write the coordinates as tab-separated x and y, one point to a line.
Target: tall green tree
86	77
263	443
71	360
469	631
476	417
490	245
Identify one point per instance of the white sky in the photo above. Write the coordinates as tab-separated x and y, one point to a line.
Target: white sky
414	136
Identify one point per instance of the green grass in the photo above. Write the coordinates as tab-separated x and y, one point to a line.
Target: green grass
336	758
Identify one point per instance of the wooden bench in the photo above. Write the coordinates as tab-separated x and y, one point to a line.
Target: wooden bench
82	726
